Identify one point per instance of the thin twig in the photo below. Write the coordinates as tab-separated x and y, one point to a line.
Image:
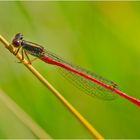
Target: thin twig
83	121
23	116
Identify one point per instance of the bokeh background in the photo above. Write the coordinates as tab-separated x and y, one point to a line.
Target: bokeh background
101	36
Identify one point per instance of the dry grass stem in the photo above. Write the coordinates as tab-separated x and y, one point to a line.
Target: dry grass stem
83	121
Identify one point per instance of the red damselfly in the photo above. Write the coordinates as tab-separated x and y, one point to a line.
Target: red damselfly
90	82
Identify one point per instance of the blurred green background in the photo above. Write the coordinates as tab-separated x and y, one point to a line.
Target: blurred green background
101	36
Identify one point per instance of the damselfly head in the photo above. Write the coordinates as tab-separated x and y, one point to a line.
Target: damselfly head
16	42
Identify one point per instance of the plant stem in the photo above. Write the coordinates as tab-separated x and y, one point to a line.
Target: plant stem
23	116
83	121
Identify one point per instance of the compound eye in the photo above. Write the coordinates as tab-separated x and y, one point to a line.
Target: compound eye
16	43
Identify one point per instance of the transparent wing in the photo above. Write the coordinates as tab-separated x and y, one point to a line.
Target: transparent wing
84	84
88	86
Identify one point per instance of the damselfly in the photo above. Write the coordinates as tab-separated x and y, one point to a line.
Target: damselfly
90	82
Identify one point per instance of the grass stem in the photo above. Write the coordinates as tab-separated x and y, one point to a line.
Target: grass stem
23	116
83	121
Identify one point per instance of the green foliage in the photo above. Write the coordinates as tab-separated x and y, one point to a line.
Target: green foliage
100	36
